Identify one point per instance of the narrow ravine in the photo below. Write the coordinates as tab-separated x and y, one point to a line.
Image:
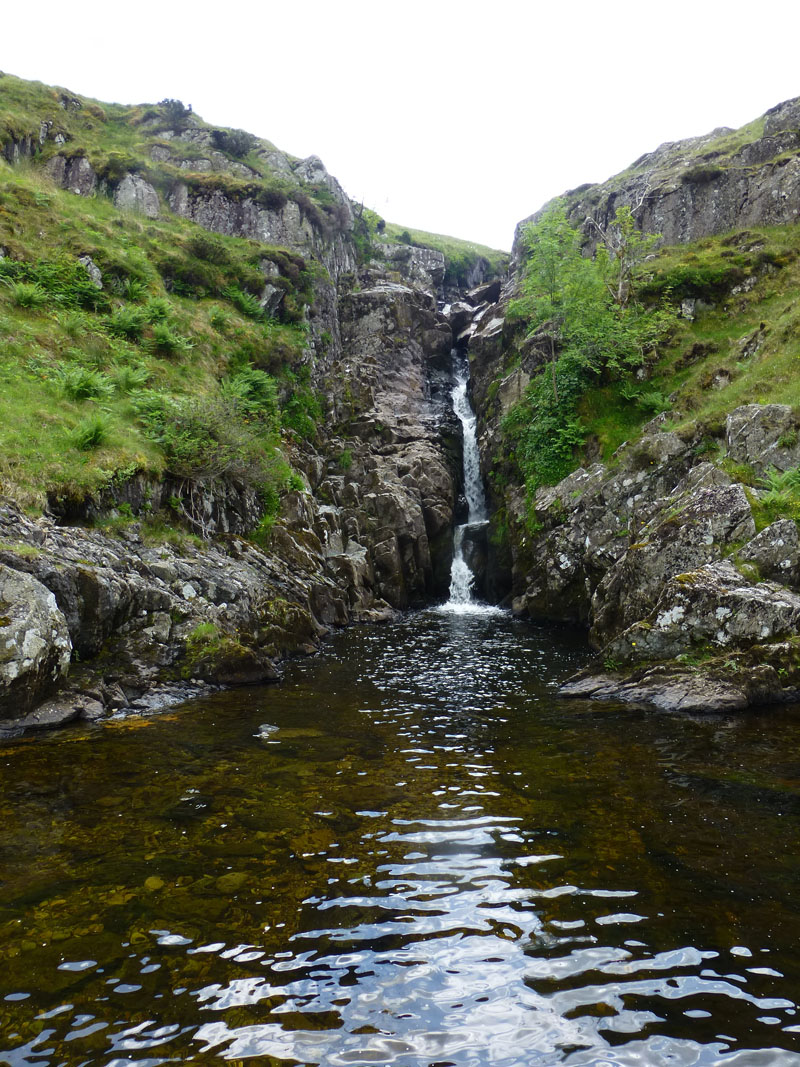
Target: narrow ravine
462	597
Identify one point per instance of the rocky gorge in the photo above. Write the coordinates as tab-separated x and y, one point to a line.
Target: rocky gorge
662	550
679	552
96	621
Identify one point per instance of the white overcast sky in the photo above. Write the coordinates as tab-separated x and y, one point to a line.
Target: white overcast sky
460	118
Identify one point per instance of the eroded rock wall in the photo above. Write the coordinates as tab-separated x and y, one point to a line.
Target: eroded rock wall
370	533
658	554
701	186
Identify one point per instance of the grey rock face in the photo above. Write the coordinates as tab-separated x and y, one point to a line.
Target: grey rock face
423	267
35	646
75	174
776	553
703	522
713	605
764	436
643	552
690	189
286	226
137	195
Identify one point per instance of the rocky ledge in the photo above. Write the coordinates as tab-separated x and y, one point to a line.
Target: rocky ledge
691	596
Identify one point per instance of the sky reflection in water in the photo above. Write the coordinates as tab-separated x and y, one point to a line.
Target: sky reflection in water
410	853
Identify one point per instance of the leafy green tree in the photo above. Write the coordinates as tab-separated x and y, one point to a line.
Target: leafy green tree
622	247
582	312
558	280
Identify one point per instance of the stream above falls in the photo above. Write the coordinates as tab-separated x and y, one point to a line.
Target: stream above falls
413	853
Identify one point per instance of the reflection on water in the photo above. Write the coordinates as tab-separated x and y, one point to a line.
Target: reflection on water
411	853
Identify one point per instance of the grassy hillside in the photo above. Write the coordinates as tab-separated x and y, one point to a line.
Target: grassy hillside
460	255
171	365
741	346
734	339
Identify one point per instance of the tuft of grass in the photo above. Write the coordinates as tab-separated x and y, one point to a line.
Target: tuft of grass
166	342
27	295
83	383
244	302
90	433
130	379
127	323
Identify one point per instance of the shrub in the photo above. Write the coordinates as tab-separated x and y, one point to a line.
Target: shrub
206	247
82	383
244	302
236	143
175	110
127	323
90	433
208	439
28	295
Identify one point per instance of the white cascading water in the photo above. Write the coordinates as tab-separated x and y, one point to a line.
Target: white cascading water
462	599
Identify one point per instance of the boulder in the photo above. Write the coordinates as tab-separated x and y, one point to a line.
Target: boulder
485	294
776	553
74	174
711	606
35	646
137	195
688	532
763	436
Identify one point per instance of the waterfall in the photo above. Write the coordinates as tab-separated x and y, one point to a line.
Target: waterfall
462	599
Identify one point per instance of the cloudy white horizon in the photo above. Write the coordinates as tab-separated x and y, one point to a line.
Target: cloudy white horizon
458	118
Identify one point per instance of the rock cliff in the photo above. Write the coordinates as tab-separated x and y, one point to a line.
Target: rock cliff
679	552
689	189
102	611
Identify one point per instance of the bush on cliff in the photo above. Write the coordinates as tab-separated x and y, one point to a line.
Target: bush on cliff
589	327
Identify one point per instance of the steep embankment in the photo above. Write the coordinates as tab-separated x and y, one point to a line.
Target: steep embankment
226	424
674	538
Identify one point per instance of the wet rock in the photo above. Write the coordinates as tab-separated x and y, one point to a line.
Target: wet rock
35	646
459	314
671	689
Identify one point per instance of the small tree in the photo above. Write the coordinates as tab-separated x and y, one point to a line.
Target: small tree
175	110
560	285
622	248
593	329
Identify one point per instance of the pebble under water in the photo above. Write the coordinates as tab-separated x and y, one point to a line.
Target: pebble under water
410	853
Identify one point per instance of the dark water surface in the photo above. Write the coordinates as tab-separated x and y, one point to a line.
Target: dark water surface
411	853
